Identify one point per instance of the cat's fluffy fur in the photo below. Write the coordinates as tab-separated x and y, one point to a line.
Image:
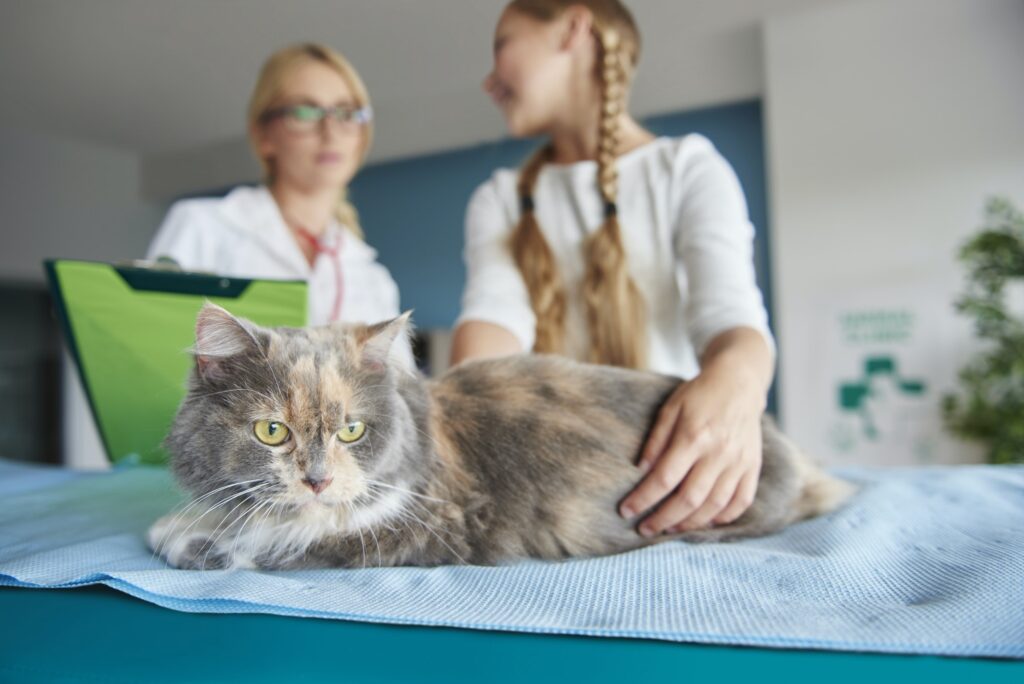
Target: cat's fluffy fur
525	456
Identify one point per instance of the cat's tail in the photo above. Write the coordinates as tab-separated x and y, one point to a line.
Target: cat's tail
820	493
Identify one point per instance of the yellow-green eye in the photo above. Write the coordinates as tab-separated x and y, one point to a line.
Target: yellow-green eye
352	431
270	432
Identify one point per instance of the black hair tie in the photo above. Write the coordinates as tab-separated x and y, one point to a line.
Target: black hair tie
610	209
526	203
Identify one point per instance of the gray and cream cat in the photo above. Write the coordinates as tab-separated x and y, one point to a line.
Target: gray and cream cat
315	448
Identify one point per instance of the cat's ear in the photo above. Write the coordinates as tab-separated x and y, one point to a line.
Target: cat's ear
379	341
220	336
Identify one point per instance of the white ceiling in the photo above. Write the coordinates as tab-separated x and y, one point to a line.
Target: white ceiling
156	77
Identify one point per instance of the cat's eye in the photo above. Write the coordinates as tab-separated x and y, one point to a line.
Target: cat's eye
270	432
352	432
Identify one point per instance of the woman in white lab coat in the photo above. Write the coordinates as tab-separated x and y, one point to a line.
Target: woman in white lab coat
310	126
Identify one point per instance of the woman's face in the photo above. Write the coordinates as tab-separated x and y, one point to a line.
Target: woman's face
532	71
312	156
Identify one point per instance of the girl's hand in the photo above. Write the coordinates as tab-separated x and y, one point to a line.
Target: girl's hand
703	456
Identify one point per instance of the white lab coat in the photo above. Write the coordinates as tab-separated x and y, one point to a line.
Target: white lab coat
244	235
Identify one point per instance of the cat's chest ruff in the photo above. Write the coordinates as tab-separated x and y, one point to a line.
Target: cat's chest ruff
316	521
292	535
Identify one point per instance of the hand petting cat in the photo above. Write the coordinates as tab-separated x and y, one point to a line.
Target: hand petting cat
702	458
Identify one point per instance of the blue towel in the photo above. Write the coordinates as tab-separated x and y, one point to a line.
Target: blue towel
924	560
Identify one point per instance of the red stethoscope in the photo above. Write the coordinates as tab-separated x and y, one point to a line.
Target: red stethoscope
335	254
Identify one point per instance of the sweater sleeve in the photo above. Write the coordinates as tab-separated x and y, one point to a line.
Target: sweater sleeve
713	239
495	291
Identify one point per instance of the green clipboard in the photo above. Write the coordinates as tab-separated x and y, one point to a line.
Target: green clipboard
129	330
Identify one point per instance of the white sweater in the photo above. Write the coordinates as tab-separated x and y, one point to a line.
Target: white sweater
687	235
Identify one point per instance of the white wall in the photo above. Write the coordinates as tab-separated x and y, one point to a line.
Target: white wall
889	123
65	197
62	197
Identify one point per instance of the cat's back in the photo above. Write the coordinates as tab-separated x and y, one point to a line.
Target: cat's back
551	445
539	383
529	410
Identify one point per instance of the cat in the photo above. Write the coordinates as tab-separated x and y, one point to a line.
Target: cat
316	447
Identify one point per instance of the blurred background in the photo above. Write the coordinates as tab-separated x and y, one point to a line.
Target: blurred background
868	135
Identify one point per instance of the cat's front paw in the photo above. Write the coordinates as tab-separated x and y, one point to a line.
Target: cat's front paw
198	551
192	549
201	553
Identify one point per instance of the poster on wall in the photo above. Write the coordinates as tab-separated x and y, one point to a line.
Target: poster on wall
887	360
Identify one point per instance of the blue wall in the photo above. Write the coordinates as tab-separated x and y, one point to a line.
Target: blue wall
413	209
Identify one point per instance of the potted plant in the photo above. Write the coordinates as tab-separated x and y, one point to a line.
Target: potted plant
990	405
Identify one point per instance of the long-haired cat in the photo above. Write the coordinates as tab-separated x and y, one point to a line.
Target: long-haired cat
315	448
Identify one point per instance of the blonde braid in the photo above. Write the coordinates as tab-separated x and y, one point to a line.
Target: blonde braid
615	308
536	261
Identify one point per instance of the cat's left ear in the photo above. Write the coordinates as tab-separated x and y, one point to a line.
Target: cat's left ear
381	339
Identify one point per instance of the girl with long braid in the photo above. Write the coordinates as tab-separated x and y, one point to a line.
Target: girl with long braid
612	246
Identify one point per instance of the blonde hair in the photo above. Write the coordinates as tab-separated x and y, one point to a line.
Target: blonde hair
615	308
268	86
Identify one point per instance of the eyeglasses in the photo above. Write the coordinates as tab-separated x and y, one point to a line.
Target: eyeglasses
305	118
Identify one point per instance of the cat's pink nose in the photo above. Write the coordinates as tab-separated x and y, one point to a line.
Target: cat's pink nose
317	485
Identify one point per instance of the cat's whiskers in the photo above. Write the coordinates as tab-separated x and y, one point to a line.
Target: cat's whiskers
293	535
258	530
245	492
174	522
374	498
362	543
429	528
404	511
233	521
375	489
373	534
400	489
353	517
378	483
250	515
274	541
370	526
194	502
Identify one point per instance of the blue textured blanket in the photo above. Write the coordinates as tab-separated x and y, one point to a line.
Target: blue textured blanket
921	561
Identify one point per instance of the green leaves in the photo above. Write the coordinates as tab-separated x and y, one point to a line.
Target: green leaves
991	408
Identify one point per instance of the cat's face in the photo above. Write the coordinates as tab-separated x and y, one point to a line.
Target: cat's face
296	418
